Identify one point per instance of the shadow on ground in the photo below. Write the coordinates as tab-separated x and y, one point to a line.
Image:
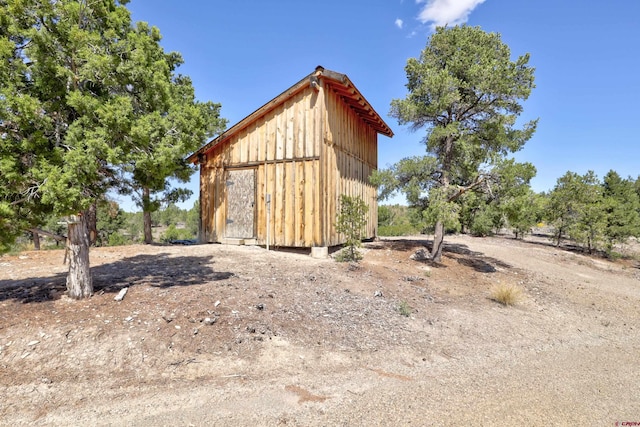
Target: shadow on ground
159	270
461	253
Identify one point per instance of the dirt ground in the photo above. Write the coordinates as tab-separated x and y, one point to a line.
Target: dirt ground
240	336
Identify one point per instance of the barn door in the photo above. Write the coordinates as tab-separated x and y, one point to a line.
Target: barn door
241	198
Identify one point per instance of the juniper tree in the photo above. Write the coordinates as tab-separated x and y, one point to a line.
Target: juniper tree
71	75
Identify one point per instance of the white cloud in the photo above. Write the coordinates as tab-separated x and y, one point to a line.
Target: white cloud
399	23
446	12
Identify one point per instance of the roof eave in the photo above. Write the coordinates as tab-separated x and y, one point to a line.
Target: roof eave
365	111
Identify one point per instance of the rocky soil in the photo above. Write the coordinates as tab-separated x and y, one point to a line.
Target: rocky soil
235	336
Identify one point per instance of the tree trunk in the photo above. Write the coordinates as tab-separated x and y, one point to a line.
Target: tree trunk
92	223
79	283
559	236
36	240
148	235
146	215
438	242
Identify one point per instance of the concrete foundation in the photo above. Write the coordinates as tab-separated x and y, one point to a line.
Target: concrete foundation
320	252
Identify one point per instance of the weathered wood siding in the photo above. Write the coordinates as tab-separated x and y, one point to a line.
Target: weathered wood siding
284	148
351	157
306	152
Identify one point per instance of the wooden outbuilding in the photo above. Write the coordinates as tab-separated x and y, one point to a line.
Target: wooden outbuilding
276	177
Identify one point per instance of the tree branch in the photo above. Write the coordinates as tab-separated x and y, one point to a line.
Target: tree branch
57	237
461	190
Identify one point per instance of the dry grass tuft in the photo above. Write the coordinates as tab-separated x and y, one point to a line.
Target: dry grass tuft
506	294
404	309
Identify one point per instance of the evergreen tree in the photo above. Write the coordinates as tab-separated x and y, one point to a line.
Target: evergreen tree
576	209
110	220
465	89
622	209
61	118
350	223
79	88
563	207
167	124
589	227
523	211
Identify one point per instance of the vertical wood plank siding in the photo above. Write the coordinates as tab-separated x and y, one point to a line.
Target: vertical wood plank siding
306	152
353	157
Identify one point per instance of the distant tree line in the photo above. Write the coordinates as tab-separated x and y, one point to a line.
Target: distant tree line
115	227
594	214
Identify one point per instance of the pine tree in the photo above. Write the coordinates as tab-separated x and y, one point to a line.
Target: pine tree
622	209
466	91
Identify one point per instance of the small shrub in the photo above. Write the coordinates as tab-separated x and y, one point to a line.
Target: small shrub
404	309
172	233
614	256
350	223
347	255
396	230
482	224
506	294
117	239
16	248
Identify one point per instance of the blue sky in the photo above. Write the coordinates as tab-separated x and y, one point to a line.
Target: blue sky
242	53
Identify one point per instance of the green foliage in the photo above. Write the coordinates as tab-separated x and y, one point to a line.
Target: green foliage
193	219
117	239
110	220
351	220
483	221
589	227
404	309
477	213
591	212
386	216
466	91
62	107
167	125
414	176
172	214
133	225
20	244
575	209
563	206
622	205
523	212
173	233
395	220
442	209
90	103
397	230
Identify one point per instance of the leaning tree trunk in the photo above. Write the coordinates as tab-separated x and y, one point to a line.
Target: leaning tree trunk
79	283
438	242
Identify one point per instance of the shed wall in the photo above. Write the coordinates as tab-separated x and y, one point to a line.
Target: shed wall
352	153
284	148
306	153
